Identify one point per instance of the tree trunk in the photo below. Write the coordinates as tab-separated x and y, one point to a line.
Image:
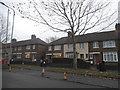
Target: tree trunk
74	53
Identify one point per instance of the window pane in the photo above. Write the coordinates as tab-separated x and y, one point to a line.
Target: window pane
110	56
19	48
95	44
57	47
28	47
81	45
50	48
109	44
115	58
33	46
70	46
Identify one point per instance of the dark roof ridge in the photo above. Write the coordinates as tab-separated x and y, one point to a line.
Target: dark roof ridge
58	40
96	36
98	32
30	41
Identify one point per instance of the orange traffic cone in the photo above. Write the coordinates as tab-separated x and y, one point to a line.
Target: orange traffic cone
65	77
43	72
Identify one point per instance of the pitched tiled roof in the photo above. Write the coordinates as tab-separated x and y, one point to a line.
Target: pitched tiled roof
62	40
30	42
98	36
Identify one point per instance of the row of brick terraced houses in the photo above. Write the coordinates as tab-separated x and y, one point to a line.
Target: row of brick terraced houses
93	46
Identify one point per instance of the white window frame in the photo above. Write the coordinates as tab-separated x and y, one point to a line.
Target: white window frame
50	48
81	45
33	46
110	56
69	55
109	44
19	48
28	47
70	46
95	44
57	47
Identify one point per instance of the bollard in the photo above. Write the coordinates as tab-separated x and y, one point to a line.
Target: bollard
43	72
65	77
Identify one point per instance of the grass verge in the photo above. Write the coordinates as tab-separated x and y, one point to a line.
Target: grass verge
78	72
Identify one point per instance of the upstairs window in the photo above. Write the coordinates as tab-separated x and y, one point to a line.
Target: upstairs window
57	47
81	45
28	47
19	48
33	46
50	48
109	44
95	44
70	46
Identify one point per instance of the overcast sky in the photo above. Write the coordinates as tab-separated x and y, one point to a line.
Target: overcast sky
24	28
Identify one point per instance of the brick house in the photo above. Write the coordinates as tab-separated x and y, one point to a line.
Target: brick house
63	48
28	50
93	46
103	46
55	48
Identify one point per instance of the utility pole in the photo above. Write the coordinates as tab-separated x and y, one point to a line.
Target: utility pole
10	57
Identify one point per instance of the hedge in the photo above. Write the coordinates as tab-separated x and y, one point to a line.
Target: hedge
67	62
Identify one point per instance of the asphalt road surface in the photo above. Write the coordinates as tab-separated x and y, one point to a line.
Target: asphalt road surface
32	79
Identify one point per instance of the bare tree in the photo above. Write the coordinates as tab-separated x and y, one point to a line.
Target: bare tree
74	16
51	39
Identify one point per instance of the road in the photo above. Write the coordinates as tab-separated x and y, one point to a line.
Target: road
31	79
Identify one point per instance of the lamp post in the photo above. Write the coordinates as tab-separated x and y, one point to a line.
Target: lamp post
12	27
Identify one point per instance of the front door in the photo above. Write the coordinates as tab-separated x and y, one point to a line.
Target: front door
96	58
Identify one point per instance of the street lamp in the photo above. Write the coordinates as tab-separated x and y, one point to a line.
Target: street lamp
12	27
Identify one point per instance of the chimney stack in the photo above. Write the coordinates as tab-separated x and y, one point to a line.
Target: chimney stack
117	27
33	37
69	34
14	40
